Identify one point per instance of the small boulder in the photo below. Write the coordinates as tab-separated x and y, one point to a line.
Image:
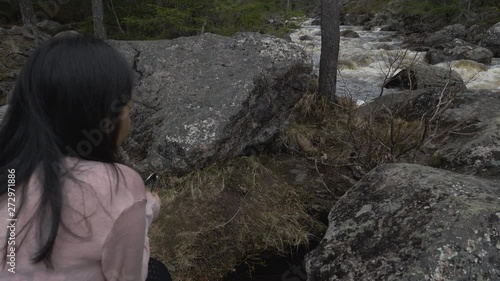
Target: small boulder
305	38
349	33
49	26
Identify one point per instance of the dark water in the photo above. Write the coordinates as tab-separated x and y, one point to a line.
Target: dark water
279	268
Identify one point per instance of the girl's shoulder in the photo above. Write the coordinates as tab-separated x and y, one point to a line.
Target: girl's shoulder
120	177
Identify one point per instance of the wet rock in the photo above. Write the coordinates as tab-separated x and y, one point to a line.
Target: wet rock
316	22
491	40
206	98
410	222
305	38
349	33
3	31
458	49
385	46
421	76
388	27
447	34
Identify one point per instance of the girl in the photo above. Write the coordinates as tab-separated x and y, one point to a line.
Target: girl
69	209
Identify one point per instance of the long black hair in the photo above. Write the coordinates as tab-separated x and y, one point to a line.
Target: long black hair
67	101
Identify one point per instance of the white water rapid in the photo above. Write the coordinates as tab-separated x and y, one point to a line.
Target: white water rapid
364	61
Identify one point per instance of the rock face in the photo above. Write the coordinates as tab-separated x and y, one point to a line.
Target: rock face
473	148
423	76
206	98
491	40
458	49
410	222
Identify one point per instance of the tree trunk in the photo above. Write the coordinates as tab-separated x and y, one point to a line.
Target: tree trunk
98	17
28	15
330	41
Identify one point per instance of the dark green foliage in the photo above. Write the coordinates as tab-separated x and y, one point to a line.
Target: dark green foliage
162	22
141	19
434	13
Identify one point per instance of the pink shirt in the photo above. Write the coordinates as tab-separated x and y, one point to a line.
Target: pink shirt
115	244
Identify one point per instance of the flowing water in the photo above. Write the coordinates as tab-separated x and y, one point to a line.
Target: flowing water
366	61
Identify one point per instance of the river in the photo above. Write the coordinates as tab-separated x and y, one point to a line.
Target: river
365	61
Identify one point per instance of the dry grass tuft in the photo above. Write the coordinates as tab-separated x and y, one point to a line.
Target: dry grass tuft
220	217
336	135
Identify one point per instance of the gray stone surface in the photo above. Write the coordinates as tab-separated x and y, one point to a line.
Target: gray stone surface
409	105
412	223
447	34
3	110
473	146
421	76
49	26
458	49
491	40
349	33
207	98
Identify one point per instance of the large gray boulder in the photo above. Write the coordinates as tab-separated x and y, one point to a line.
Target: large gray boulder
473	145
207	98
413	223
458	49
491	40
